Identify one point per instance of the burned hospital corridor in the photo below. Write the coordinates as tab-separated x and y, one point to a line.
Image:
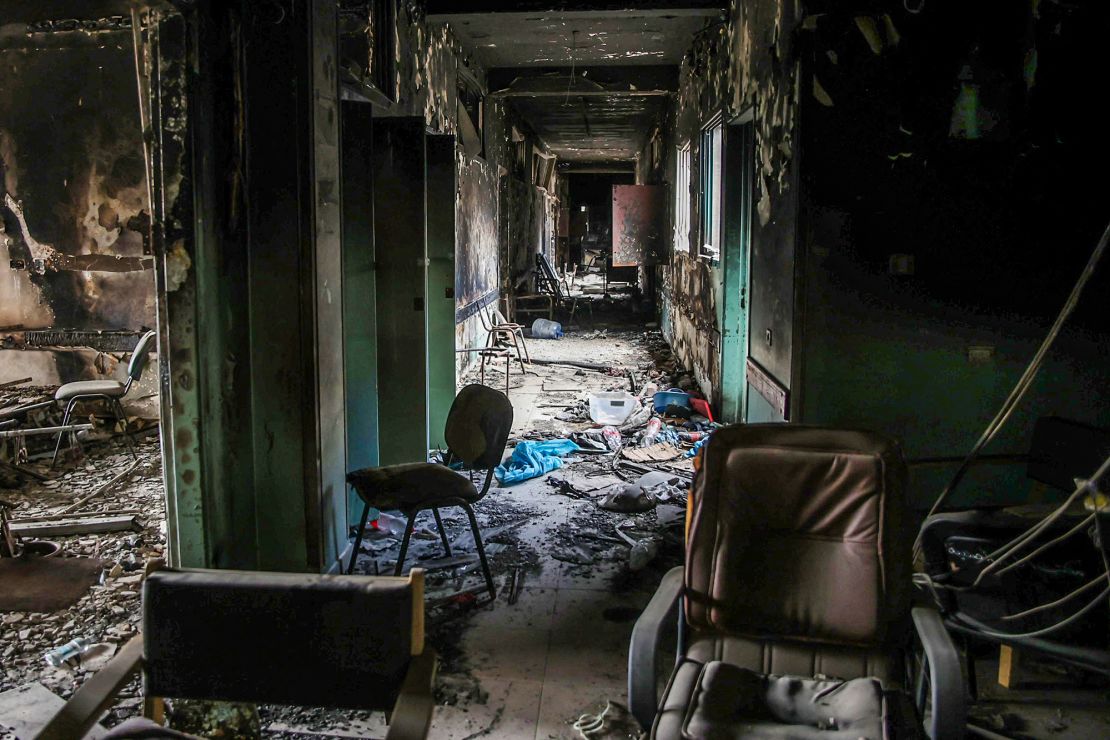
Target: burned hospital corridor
554	369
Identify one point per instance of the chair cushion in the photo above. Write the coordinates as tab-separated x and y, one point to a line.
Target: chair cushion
782	657
111	388
722	700
410	485
798	532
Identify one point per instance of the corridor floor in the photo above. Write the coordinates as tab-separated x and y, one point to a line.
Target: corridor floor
546	652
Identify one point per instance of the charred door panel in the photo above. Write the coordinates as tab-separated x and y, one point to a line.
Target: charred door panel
637	225
401	259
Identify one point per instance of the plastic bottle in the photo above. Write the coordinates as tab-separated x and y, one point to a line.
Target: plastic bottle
651	433
544	329
72	649
612	438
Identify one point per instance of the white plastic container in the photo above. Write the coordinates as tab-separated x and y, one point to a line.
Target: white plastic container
612	407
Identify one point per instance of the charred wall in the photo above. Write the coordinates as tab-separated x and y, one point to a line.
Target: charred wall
947	158
745	64
71	161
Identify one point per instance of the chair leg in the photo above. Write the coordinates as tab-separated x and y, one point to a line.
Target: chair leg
358	538
442	533
481	551
411	516
122	417
65	421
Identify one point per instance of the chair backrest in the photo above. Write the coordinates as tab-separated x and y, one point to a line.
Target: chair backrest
1063	450
478	426
797	533
139	355
547	276
283	638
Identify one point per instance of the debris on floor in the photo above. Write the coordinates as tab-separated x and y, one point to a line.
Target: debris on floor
85	528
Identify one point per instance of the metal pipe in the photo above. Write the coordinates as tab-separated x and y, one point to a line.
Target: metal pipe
6	433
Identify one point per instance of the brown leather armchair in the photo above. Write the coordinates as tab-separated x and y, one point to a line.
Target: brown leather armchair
796	619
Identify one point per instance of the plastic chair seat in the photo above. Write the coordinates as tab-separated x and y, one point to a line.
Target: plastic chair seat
110	388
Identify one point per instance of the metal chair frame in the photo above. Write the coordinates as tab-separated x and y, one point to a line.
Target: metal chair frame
134	372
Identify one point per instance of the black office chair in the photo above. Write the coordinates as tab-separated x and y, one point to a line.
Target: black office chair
106	390
477	429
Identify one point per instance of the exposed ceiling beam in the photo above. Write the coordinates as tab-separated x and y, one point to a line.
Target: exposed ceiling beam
641	76
442	10
583	94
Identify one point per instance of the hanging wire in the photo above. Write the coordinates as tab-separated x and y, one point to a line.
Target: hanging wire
573	54
1023	383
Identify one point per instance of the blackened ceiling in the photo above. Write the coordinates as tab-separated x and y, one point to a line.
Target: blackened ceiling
543	39
580	119
592	127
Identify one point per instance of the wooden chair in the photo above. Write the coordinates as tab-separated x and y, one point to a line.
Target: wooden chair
278	638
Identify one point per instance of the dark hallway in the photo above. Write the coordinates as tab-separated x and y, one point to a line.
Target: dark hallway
553	369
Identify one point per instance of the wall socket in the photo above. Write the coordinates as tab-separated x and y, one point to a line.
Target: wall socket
980	354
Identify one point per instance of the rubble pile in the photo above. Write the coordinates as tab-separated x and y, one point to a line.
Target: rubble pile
109	614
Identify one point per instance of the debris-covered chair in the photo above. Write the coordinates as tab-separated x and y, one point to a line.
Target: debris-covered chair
106	390
477	429
793	607
278	638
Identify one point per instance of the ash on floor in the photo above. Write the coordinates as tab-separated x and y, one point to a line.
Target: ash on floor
108	614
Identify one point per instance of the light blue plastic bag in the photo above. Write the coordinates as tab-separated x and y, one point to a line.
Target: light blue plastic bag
533	459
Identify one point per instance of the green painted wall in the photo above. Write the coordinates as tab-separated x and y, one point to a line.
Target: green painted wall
359	295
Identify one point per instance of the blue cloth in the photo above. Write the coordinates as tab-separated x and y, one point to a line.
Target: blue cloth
533	459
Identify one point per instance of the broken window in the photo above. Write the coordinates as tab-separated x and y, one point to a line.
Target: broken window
383	65
711	159
682	200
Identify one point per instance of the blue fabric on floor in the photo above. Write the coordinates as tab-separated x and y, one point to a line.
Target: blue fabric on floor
533	459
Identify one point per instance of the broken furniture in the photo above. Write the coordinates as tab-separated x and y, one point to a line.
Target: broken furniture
279	638
106	390
477	429
501	333
1050	604
548	295
795	598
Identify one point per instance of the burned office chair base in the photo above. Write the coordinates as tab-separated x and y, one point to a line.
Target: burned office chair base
476	432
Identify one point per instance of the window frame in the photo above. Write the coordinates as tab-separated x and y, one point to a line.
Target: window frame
711	183
682	199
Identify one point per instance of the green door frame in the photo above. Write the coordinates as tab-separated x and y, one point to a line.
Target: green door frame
735	261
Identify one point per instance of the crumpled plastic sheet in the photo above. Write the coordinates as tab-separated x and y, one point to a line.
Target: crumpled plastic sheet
533	459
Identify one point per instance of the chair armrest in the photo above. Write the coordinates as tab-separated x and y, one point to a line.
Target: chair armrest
412	713
642	699
946	679
90	701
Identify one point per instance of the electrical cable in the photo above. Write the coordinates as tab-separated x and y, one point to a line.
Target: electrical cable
1083	523
1023	383
1003	553
1062	600
982	629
